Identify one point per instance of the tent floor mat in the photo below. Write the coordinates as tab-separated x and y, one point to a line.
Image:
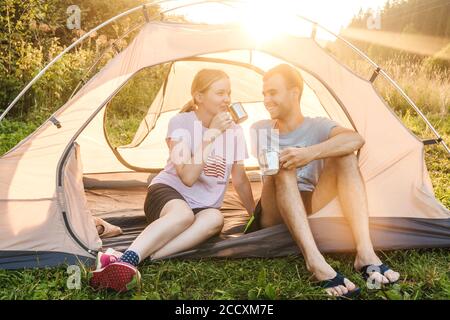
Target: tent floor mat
124	207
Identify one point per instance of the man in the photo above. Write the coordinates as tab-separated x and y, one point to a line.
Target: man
317	163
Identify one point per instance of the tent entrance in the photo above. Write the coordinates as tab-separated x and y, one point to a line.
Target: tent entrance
147	152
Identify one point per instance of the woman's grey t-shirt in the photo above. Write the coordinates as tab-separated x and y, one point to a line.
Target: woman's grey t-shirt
209	189
310	132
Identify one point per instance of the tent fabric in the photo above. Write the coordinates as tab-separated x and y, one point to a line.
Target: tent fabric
14	260
41	225
42	204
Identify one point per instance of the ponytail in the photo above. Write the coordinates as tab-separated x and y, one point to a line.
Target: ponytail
189	106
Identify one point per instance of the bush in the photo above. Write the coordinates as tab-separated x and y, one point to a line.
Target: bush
12	132
32	33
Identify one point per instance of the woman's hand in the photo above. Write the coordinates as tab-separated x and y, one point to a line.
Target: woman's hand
221	122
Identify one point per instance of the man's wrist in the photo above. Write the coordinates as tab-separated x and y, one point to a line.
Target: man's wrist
314	151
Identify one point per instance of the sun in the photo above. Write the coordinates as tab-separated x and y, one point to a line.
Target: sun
265	21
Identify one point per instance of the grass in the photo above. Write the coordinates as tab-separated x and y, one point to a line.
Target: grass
425	276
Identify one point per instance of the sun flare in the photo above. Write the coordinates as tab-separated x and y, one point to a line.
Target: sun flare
265	22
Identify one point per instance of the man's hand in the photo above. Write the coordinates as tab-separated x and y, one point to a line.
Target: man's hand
292	158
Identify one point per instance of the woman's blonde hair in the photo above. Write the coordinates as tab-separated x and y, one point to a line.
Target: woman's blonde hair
201	83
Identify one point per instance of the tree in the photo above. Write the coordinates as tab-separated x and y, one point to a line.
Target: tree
431	17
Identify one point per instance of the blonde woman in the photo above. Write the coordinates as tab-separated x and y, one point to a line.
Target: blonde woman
183	200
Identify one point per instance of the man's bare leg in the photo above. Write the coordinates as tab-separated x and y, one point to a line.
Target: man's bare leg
281	201
342	177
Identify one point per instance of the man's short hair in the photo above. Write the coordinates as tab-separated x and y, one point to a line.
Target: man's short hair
291	76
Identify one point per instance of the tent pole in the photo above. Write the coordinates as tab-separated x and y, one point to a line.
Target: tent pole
83	81
85	36
59	56
387	77
414	106
379	70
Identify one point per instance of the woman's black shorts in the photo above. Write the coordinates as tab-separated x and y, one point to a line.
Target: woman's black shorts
158	195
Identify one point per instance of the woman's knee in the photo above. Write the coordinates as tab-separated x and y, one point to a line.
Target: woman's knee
186	218
215	221
180	212
218	221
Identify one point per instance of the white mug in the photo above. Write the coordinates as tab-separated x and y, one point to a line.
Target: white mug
269	162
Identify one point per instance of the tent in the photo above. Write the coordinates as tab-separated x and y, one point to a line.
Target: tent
56	179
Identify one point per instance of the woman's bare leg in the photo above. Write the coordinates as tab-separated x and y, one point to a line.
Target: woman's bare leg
207	223
175	217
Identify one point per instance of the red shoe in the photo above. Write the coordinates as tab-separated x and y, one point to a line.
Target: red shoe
104	259
119	276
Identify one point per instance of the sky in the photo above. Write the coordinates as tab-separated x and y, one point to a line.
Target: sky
333	14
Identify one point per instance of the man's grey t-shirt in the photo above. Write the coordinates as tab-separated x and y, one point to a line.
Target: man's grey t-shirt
310	132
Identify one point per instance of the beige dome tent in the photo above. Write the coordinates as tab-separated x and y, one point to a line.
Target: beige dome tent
55	180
